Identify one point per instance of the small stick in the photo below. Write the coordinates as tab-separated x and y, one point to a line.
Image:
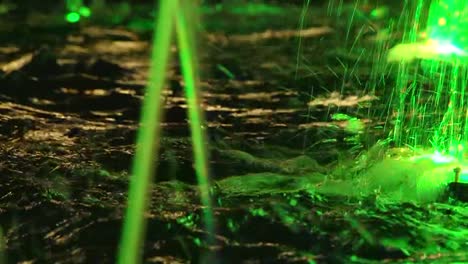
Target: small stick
457	171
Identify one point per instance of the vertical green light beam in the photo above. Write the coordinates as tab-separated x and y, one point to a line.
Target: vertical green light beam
406	82
304	11
186	41
147	147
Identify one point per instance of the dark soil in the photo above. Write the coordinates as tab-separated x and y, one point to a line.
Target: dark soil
70	100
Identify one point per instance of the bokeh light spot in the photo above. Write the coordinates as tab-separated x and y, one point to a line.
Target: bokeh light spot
73	17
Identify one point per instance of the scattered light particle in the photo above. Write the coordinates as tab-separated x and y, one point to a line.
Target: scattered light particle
442	21
84	11
341	117
288	220
379	13
258	212
73	17
293	202
231	225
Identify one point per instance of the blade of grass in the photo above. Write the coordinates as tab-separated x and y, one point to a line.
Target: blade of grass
147	148
186	21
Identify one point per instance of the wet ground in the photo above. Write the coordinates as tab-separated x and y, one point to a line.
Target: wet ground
279	124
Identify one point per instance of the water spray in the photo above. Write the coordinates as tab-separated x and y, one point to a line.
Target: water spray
431	107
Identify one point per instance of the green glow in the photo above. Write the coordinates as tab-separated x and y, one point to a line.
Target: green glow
186	40
354	125
448	48
84	11
443	166
186	221
293	202
147	147
179	15
427	175
226	71
76	10
448	22
463	177
258	212
256	9
341	117
380	12
440	159
437	121
72	17
232	225
73	5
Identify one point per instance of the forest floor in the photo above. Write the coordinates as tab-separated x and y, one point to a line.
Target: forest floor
285	114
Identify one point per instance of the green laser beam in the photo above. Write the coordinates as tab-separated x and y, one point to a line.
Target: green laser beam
147	146
178	15
304	11
187	54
